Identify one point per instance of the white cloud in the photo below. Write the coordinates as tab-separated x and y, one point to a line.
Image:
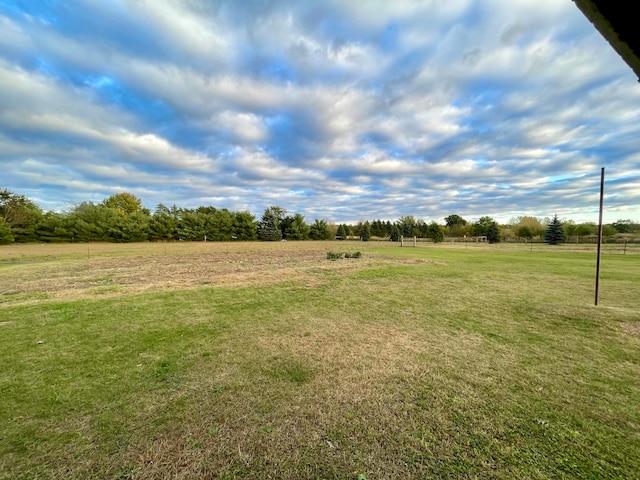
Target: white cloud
346	106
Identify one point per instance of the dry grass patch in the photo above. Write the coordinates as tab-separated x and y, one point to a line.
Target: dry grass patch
64	272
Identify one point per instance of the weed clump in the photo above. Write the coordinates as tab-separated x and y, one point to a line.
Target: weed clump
339	255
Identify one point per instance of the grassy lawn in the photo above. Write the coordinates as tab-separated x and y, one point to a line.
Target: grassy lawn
271	361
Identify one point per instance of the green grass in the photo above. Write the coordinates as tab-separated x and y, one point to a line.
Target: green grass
449	363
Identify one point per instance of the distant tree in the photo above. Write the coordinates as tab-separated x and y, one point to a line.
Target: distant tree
365	232
555	232
528	227
124	203
53	227
319	230
481	226
378	229
164	223
493	233
6	235
132	227
244	226
608	231
407	226
219	225
343	231
93	223
395	233
625	226
295	228
454	221
192	225
488	227
435	232
21	214
270	225
583	229
524	231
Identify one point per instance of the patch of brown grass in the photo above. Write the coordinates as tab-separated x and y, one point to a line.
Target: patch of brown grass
66	272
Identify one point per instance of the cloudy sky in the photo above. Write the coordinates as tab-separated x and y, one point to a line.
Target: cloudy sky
336	109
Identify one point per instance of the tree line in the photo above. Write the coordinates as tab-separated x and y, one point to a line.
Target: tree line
123	218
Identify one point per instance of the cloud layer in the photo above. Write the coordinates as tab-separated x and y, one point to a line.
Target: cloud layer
336	110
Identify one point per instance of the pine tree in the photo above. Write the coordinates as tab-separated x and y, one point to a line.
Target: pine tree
270	225
365	232
493	233
555	233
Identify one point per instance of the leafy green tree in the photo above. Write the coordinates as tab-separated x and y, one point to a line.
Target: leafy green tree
21	214
124	203
555	232
244	226
456	226
625	226
270	225
454	221
608	231
583	229
524	231
319	230
435	232
6	235
528	227
481	226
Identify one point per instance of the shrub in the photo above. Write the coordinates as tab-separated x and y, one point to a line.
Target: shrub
338	255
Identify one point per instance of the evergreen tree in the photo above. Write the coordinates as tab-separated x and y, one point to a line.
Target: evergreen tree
435	232
244	226
164	223
343	231
365	232
270	225
493	233
395	233
53	227
319	230
295	228
555	233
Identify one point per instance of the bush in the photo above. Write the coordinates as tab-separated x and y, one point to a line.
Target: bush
338	255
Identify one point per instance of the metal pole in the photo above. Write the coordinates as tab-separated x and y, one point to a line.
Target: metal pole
599	234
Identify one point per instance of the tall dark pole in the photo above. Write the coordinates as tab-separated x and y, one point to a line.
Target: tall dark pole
599	234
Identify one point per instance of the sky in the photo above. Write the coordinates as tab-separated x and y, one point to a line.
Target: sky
338	110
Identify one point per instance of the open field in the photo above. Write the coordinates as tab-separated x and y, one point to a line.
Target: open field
262	360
